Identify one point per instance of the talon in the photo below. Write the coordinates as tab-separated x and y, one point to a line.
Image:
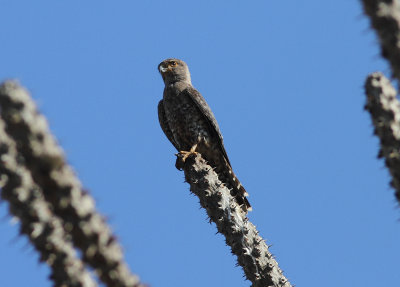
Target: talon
186	154
183	155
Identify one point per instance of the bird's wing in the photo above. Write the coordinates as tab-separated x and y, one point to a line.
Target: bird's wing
201	103
164	124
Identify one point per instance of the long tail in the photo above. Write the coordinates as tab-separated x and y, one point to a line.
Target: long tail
227	176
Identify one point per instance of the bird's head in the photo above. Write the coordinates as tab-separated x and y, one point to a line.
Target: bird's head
174	70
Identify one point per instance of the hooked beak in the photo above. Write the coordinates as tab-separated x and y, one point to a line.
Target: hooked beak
164	69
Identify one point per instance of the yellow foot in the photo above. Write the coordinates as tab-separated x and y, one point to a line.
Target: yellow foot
183	155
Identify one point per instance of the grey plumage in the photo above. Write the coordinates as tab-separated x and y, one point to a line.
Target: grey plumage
189	124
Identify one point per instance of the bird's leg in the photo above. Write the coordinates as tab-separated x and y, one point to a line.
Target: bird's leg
187	153
183	155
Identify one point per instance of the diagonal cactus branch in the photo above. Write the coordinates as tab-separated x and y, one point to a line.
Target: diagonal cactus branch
61	188
38	222
385	19
384	108
252	253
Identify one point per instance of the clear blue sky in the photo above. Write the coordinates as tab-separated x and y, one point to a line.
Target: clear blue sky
285	81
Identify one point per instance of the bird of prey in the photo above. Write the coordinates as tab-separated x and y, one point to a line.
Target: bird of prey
190	125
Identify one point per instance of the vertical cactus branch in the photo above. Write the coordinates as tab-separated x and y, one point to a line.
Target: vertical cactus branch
385	19
61	188
43	229
252	253
384	108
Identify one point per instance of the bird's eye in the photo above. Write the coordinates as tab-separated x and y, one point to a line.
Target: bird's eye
173	64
